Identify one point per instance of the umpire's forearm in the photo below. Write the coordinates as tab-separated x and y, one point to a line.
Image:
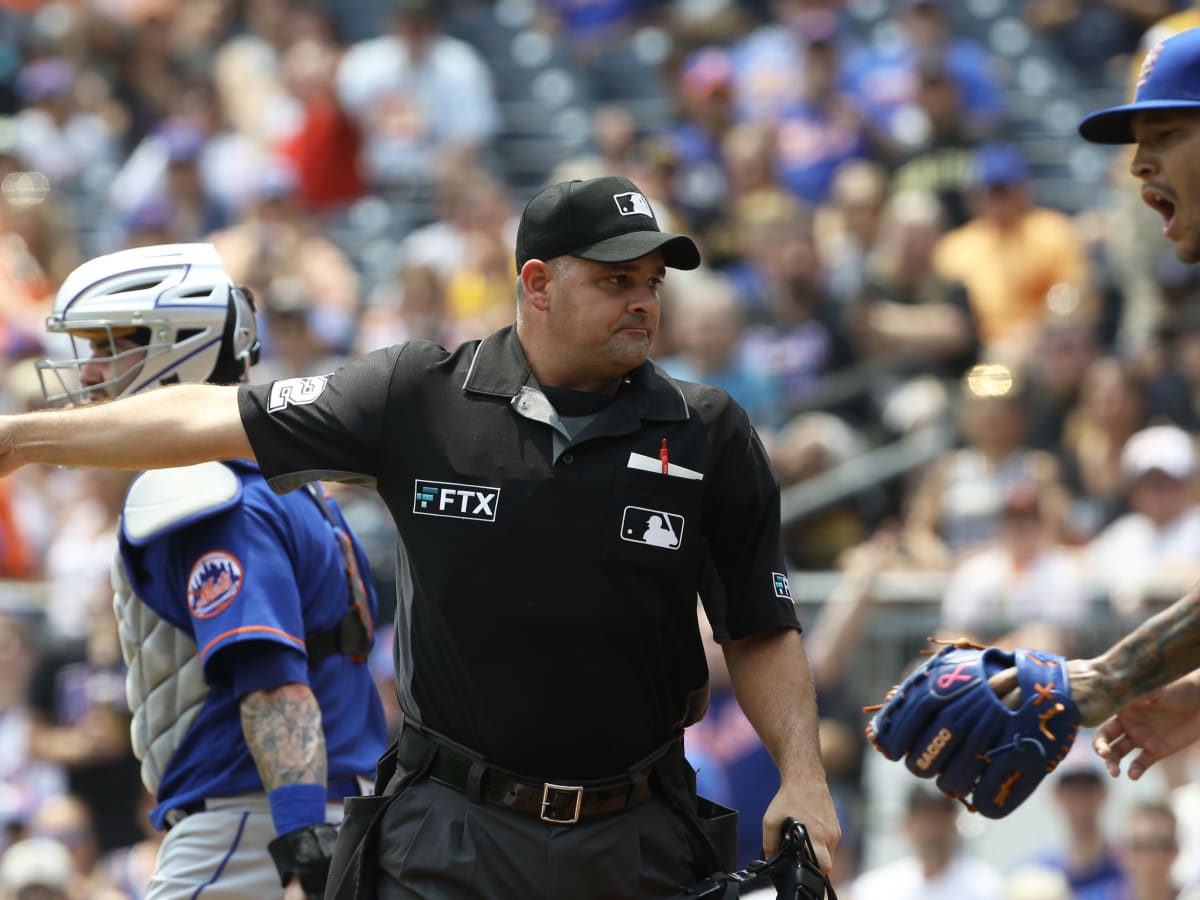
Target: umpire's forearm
771	678
173	426
1161	649
773	684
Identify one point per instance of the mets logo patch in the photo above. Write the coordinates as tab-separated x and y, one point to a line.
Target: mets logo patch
296	392
215	580
1148	65
477	502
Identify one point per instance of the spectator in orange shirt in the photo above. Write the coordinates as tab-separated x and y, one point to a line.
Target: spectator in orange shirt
1012	256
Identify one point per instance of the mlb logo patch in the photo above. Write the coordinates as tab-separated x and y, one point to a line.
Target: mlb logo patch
652	527
477	502
783	587
633	204
216	578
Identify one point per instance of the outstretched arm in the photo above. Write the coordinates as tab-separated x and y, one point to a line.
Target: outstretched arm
174	426
773	685
1162	649
1143	692
1159	651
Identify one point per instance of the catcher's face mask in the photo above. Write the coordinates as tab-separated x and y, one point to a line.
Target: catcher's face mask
106	362
145	317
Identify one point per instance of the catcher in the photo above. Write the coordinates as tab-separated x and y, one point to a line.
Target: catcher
991	725
243	616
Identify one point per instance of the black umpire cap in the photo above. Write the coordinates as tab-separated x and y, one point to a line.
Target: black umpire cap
606	219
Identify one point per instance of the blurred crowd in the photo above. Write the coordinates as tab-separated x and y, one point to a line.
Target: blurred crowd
972	358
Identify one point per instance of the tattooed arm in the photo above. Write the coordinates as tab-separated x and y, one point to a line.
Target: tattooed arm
282	726
1161	650
283	731
1143	693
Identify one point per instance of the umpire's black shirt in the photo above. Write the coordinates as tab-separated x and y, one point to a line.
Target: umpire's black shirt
546	585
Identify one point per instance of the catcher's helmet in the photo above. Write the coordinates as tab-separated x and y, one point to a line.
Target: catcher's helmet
176	302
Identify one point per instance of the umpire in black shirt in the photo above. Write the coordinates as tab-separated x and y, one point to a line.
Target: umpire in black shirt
561	502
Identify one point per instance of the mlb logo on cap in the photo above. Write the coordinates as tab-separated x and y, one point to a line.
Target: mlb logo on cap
605	219
1169	79
633	204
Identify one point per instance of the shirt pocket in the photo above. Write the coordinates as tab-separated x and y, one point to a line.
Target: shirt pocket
653	522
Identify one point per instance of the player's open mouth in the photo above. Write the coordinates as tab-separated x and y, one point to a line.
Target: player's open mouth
1159	201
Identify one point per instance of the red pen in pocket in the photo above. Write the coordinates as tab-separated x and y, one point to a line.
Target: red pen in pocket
663	456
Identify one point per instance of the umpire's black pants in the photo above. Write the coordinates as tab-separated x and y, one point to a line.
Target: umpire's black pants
436	844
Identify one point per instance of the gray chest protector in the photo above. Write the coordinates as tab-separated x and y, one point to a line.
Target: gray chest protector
165	683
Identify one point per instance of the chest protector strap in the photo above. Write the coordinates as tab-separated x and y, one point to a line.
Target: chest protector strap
356	632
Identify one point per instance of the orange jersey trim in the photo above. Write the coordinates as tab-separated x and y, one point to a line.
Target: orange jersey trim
266	628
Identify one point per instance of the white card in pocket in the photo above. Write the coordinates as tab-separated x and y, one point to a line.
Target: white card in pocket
650	464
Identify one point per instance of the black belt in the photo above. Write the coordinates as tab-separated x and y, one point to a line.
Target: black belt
558	804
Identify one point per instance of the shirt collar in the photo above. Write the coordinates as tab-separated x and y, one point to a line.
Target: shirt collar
499	368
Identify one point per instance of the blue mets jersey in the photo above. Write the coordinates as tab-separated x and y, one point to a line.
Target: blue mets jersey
248	581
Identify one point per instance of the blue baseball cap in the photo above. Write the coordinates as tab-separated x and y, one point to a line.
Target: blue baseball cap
998	164
1169	79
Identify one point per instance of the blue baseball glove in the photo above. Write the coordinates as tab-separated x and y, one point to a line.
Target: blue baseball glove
946	722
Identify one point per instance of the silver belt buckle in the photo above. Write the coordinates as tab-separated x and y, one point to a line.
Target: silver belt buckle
547	814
